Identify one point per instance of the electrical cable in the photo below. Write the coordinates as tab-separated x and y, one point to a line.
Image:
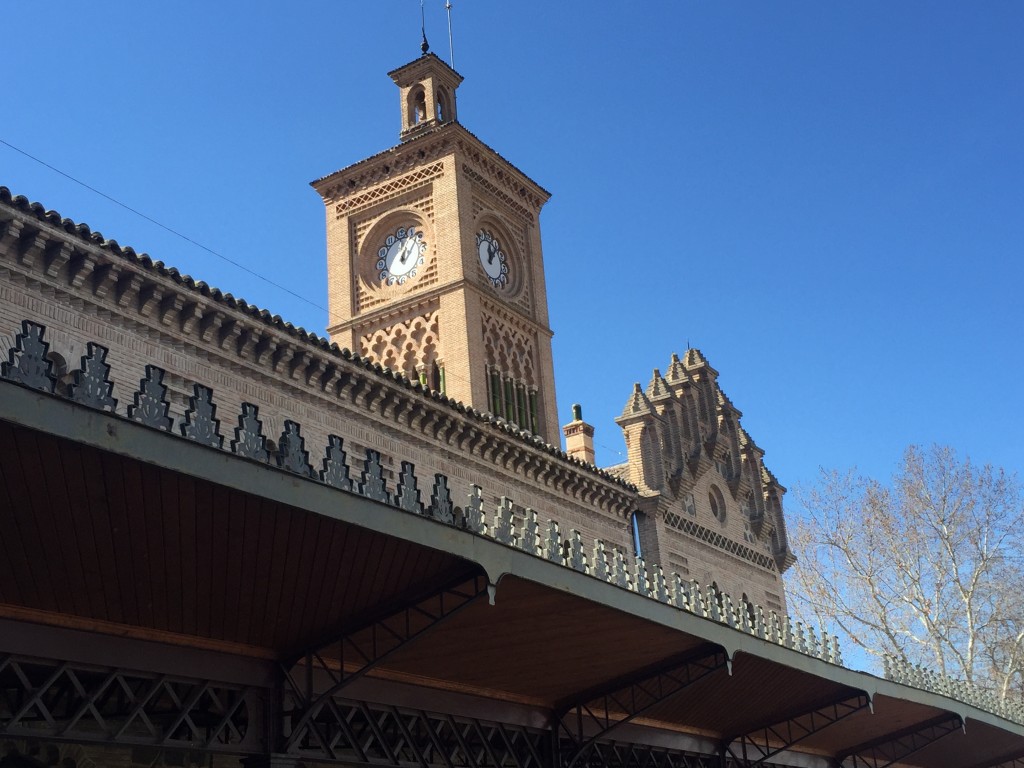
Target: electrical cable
174	232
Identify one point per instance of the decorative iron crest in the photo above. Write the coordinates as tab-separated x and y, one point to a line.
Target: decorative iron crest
473	514
407	496
291	451
504	525
530	540
658	586
27	363
554	550
373	485
577	560
599	565
92	386
640	582
621	573
335	471
441	507
249	439
201	423
151	404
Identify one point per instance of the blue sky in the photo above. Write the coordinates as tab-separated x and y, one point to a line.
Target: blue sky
824	197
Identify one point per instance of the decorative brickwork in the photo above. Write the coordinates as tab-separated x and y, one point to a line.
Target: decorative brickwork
710	506
452	187
720	541
516	292
409	346
368	235
389	190
141	310
509	346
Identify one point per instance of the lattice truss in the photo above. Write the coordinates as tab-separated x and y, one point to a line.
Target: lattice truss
510	348
373	734
78	702
586	724
407	346
626	755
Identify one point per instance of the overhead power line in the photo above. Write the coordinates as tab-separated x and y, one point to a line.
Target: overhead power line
166	228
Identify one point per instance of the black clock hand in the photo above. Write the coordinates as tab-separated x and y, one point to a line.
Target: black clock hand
405	250
492	251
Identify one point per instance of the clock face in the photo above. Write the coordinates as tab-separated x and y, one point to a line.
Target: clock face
401	255
492	258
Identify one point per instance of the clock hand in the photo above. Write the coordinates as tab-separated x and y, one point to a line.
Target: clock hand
406	250
492	251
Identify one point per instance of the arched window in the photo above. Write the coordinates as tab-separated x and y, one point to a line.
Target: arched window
417	106
443	106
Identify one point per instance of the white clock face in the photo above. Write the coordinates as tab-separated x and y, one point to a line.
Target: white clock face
492	258
401	255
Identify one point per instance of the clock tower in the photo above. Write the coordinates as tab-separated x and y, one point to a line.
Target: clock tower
434	260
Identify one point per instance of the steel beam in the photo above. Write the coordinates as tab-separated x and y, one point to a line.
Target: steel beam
69	701
369	642
1009	760
366	734
896	747
627	755
762	742
591	716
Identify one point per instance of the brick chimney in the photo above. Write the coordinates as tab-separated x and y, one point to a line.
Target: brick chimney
579	436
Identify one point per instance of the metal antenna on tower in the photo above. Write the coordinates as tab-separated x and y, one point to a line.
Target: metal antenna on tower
424	46
451	45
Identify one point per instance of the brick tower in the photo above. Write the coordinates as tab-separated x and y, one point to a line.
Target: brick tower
434	260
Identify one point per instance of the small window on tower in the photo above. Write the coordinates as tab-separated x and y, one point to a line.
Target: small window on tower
419	107
443	112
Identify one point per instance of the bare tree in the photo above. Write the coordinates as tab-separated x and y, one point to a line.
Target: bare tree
927	568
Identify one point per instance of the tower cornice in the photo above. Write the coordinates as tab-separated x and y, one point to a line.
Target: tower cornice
438	142
427	63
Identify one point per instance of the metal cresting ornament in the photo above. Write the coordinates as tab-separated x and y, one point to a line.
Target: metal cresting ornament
28	363
92	386
250	441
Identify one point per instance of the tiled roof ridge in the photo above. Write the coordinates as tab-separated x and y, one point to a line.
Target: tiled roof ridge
93	238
